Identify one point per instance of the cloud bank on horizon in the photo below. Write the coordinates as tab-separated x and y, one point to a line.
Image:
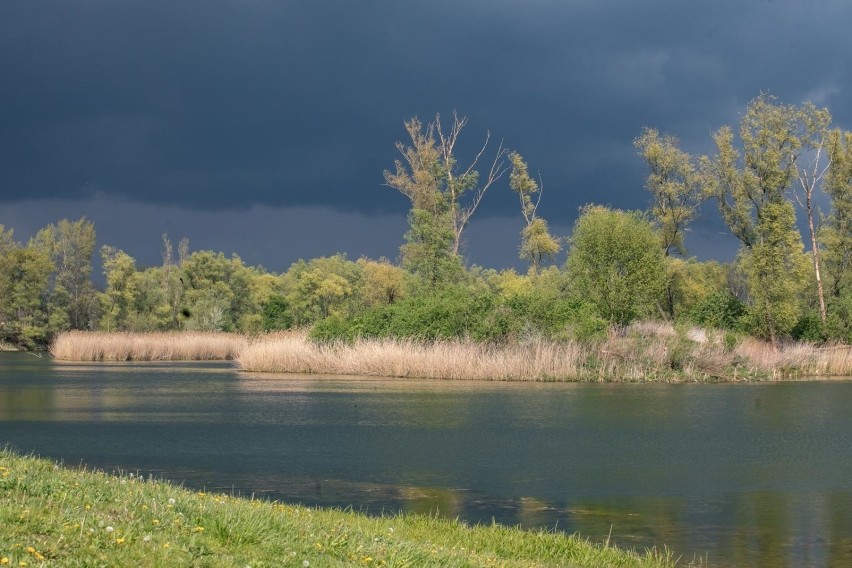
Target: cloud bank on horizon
228	105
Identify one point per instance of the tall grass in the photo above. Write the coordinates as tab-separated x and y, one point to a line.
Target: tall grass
158	346
648	351
642	353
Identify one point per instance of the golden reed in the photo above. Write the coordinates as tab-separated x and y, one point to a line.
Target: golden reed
638	355
153	346
643	352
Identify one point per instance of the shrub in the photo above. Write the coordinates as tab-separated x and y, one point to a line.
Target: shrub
721	310
276	314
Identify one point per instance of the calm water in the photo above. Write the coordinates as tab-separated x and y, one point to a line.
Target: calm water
757	474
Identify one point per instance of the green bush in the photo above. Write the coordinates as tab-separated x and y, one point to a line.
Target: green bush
809	328
276	314
838	325
332	329
721	310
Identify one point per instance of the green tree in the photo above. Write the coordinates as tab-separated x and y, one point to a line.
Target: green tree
71	244
537	243
751	187
443	195
837	233
381	282
776	270
120	295
674	187
615	263
26	288
810	169
320	288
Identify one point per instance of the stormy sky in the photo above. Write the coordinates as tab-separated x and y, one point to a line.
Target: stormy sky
263	127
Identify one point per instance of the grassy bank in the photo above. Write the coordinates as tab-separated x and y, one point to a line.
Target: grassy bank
53	516
163	346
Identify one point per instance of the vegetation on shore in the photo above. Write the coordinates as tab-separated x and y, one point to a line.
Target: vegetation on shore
644	351
620	266
151	346
56	516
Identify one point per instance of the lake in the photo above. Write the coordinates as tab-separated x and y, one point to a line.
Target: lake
740	474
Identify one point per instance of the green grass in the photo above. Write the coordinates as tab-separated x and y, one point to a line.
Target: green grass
56	516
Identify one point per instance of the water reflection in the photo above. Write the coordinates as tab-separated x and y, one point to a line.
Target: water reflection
746	474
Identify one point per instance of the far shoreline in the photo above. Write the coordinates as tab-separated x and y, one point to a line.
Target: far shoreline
646	353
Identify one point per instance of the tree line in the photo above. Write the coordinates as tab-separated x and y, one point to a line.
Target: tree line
620	266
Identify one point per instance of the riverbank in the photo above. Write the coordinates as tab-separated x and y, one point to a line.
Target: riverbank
150	346
53	515
642	352
635	356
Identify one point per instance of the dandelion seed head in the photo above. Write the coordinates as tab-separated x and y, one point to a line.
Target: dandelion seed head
109	529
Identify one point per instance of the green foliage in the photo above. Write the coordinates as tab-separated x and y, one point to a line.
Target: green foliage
121	291
320	288
674	187
276	314
616	264
27	288
809	328
836	234
536	242
71	246
751	190
443	195
838	325
720	310
775	269
381	282
462	312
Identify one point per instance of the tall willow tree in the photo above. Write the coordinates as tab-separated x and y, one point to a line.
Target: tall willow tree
837	234
810	170
751	187
537	243
443	195
675	194
71	244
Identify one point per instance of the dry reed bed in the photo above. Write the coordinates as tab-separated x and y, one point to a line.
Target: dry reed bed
644	352
630	357
155	346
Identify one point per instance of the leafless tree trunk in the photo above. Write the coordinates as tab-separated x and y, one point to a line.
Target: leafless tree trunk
808	179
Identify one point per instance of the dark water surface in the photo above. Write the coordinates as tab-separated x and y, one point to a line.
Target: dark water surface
744	475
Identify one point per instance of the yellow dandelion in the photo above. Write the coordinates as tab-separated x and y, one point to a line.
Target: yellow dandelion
22	563
156	521
38	556
88	507
119	540
4	560
166	545
198	529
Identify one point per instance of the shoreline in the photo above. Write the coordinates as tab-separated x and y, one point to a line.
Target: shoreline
55	514
645	353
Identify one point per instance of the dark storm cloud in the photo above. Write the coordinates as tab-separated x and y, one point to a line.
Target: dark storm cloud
223	105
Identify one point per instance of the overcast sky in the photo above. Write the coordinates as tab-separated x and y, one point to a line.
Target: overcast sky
263	127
